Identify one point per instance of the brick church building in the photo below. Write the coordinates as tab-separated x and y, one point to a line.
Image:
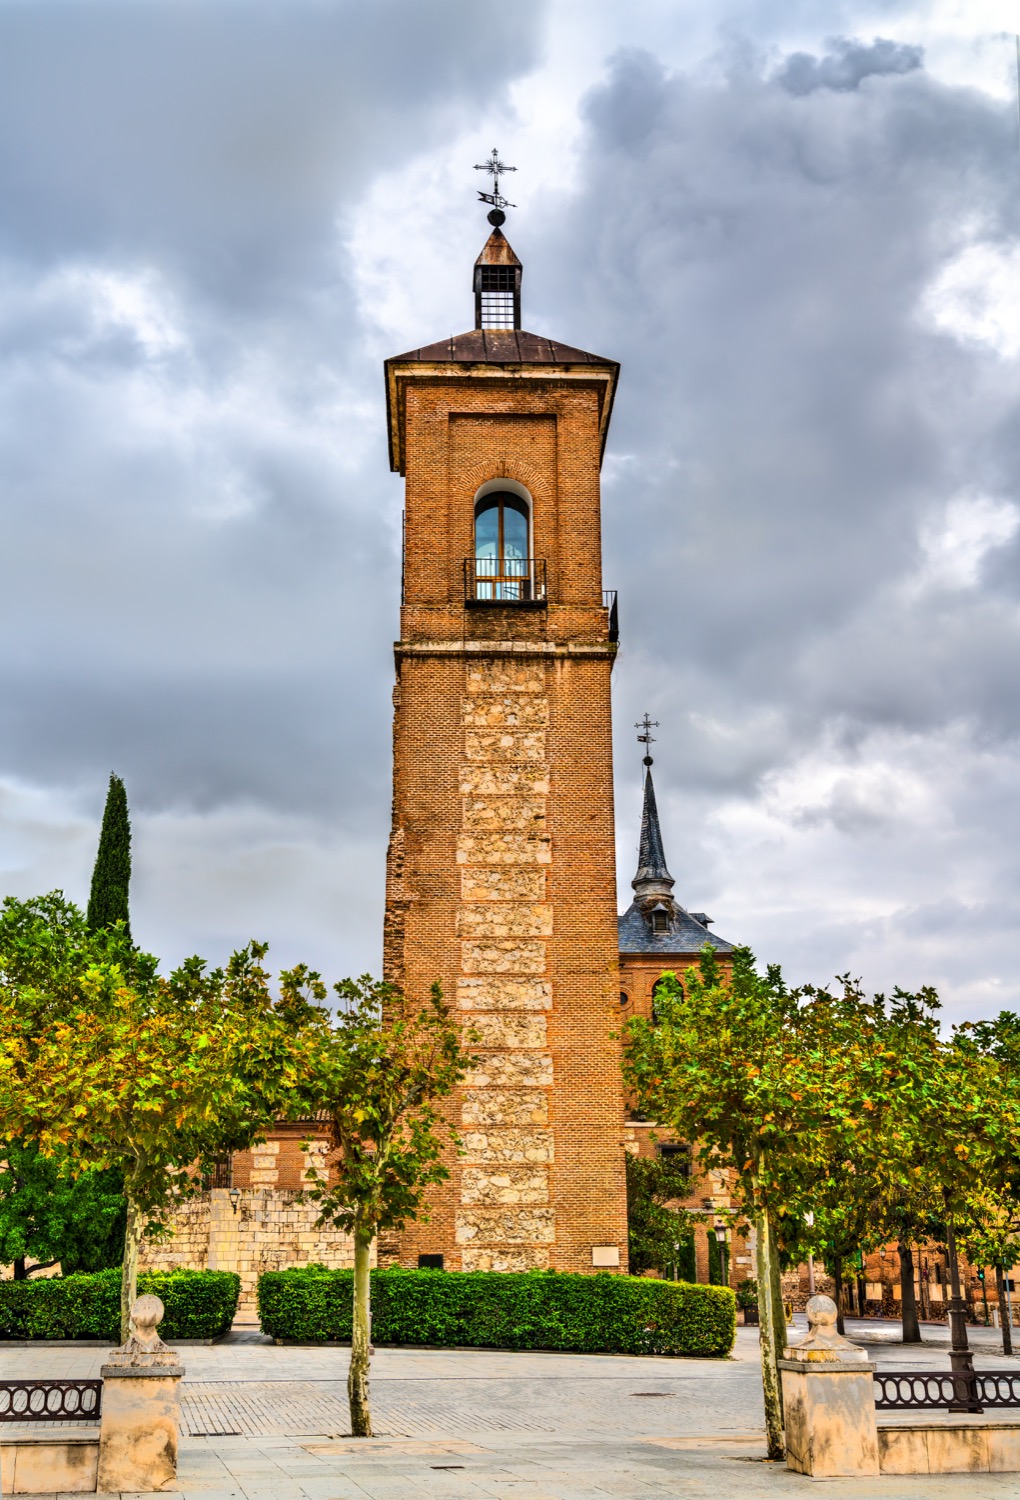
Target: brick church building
501	878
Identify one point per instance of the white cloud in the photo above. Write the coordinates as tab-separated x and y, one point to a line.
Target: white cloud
976	297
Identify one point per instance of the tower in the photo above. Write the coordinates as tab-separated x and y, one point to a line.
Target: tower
500	881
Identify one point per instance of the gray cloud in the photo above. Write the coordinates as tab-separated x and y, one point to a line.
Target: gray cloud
846	64
810	493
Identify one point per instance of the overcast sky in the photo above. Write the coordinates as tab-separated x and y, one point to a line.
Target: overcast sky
797	225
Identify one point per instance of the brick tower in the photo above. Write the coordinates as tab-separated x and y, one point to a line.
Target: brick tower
501	879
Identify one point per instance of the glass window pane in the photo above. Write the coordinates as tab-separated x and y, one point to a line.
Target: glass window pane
515	530
487	532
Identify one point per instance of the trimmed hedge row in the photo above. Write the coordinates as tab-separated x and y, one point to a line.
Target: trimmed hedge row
199	1305
504	1310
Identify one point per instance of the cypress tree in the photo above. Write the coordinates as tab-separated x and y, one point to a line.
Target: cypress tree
108	898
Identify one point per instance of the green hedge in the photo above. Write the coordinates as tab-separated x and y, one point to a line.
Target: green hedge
199	1305
494	1309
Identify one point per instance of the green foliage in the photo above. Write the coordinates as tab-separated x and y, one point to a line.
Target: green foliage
654	1229
493	1309
111	875
747	1293
377	1073
199	1305
47	1214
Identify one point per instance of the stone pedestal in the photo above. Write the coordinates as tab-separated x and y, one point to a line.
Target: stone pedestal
138	1428
829	1407
140	1419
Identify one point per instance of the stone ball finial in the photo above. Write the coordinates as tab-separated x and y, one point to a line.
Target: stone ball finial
822	1314
146	1315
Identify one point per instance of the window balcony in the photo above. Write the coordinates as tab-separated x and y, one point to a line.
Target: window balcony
514	582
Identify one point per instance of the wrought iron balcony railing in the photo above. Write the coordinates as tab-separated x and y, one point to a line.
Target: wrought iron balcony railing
609	602
505	580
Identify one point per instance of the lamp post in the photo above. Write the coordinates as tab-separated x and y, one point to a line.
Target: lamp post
961	1358
721	1233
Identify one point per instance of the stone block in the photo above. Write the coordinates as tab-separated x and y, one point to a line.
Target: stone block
498	847
902	1450
50	1463
504	1107
506	1145
829	1409
507	1226
138	1430
499	675
504	993
503	956
500	1031
957	1450
480	780
1003	1448
503	814
505	919
504	1185
509	711
501	884
487	1258
517	1069
503	744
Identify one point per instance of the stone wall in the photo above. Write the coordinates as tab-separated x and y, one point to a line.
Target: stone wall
269	1231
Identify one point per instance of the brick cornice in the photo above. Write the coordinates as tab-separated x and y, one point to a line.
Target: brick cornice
597	650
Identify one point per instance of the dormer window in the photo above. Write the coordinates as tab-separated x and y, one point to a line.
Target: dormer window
660	920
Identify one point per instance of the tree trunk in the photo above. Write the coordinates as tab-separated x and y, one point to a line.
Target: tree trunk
361	1335
778	1310
20	1274
765	1256
129	1266
862	1296
1005	1319
908	1301
837	1276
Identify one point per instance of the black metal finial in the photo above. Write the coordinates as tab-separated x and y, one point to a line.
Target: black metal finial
495	169
646	738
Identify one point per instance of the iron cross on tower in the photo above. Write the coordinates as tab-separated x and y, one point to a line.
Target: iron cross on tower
495	168
646	737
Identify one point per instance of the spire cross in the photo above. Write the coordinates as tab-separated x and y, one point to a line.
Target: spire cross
646	737
495	168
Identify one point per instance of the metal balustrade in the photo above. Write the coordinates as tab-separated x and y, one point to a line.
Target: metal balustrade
50	1400
939	1390
505	580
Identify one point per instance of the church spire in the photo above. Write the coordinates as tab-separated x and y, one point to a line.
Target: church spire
652	878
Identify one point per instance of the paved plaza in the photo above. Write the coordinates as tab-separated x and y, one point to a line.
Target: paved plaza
266	1423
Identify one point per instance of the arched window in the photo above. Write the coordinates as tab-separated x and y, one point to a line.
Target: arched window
502	564
624	997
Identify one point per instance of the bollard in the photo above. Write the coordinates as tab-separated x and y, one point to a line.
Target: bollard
141	1414
828	1400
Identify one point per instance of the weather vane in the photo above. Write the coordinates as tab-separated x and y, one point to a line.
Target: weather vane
646	737
495	168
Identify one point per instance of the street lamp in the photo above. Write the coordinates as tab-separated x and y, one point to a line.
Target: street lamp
235	1197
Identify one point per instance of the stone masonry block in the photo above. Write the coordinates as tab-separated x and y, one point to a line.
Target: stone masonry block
504	814
497	675
499	992
479	1258
517	1069
536	1226
503	956
504	1107
504	745
519	1146
502	885
505	919
497	847
504	781
508	712
501	1031
505	1185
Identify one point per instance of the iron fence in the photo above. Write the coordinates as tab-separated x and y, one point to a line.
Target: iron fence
50	1400
939	1390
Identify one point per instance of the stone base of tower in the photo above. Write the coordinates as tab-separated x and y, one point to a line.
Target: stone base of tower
501	887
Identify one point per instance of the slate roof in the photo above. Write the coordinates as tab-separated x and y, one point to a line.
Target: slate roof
651	855
686	935
501	346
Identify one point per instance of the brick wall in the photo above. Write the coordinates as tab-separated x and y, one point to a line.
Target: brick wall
501	865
